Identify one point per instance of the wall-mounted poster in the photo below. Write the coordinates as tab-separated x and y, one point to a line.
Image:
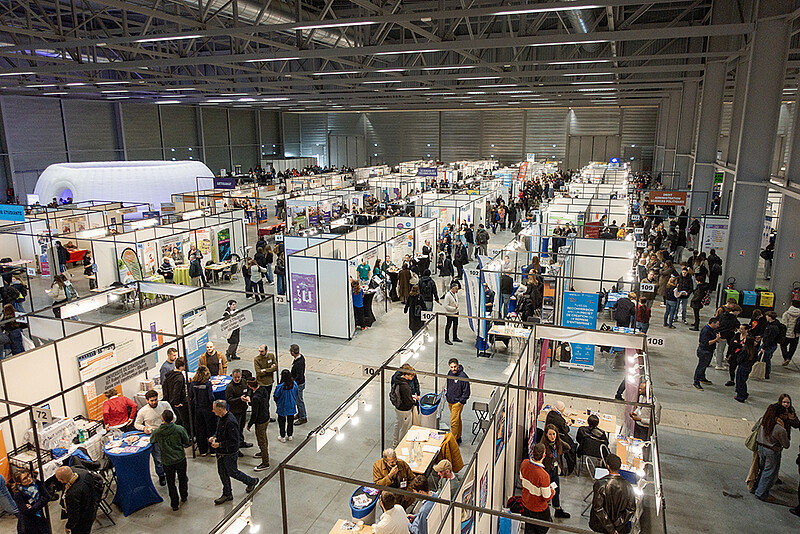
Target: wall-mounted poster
500	433
224	244
147	255
304	292
483	490
91	364
203	240
195	343
468	516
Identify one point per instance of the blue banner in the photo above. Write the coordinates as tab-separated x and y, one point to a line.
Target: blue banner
226	182
580	311
430	172
150	214
12	212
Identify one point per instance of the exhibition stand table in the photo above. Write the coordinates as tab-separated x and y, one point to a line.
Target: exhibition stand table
393	276
180	275
130	456
218	385
608	422
344	525
217	268
428	442
508	331
153	278
76	254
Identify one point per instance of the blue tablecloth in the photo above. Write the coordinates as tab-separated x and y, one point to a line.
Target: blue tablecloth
135	489
219	389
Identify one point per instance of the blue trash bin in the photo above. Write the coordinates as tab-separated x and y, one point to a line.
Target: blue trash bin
428	410
365	513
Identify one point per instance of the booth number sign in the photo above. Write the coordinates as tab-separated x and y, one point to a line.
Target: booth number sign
641	244
647	287
280	299
368	371
426	315
42	415
655	341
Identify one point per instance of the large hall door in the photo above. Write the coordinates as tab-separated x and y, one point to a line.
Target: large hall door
581	149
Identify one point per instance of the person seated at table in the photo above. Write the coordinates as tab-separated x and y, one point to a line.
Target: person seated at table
394	519
558	418
590	437
215	360
166	268
70	246
444	470
147	420
613	501
31	497
419	520
118	411
392	472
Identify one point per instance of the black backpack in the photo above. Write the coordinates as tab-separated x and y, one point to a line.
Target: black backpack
781	337
394	395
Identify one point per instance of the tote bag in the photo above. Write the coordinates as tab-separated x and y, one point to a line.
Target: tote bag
759	370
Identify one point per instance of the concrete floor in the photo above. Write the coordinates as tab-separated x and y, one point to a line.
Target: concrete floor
701	433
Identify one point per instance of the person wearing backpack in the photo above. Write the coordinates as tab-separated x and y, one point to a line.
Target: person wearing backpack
427	290
700	298
774	333
791	318
403	399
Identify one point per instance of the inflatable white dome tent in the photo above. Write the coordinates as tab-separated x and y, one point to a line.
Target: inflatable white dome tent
122	181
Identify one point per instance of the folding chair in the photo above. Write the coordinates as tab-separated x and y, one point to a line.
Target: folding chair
588	459
481	410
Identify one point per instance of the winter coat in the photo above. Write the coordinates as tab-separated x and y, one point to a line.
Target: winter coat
413	306
450	303
201	395
663	278
403	284
403	394
174	388
789	318
172	439
286	400
29	521
259	402
428	291
457	390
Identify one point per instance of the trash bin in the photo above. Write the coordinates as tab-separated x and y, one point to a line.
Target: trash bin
428	410
362	504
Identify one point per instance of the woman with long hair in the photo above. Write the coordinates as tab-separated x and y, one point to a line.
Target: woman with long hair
201	397
286	401
791	419
554	463
772	438
31	497
413	308
13	329
358	303
269	258
58	292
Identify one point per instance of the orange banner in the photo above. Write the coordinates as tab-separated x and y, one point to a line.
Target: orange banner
667	198
523	171
4	467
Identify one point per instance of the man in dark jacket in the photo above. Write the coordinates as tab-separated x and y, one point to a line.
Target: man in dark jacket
62	255
770	339
685	289
80	499
259	416
506	290
233	337
225	442
457	394
625	310
613	502
728	325
403	399
174	392
299	377
427	290
236	395
591	437
172	439
481	239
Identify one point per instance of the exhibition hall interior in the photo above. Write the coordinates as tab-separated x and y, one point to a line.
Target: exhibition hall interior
399	266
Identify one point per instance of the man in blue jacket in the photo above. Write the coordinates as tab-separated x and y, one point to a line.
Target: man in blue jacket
226	444
709	337
457	394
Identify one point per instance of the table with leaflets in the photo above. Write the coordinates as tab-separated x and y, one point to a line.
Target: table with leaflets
130	455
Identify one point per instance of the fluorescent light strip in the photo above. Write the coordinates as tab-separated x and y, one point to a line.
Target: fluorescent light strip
391	70
219	101
591	83
111	91
173	38
412	89
274	99
15	73
499	85
269	59
74	84
382	81
334	25
41	85
159	102
406	52
234	94
309	101
542	9
56	93
569	43
517	92
438	94
590	74
479	78
111	83
582	61
341	72
180	89
476	92
454	67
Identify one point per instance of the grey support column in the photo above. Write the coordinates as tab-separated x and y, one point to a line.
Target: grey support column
671	139
739	91
707	137
661	136
769	50
786	258
686	127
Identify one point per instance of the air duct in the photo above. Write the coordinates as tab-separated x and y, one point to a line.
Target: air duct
582	20
250	10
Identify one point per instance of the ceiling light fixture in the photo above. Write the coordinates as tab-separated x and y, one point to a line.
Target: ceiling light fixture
268	59
274	99
406	52
453	67
167	38
569	43
493	86
111	83
334	25
580	61
16	73
382	81
41	85
342	72
590	74
479	78
159	102
390	70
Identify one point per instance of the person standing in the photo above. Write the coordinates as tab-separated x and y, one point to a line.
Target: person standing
451	308
233	337
358	304
118	411
31	498
709	338
169	364
201	396
769	341
299	378
624	310
259	416
414	306
457	393
427	290
613	501
286	395
403	399
280	273
225	443
148	418
791	318
80	499
537	490
236	395
481	240
195	270
62	255
172	439
772	438
684	290
745	358
699	299
173	389
214	360
266	365
643	417
728	325
554	463
643	316
469	237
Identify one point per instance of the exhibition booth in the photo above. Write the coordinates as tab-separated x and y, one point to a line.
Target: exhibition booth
456	208
513	410
319	276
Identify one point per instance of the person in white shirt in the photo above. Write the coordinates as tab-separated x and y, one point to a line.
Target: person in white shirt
394	519
149	418
451	307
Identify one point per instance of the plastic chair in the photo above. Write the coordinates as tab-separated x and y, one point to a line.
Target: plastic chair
481	410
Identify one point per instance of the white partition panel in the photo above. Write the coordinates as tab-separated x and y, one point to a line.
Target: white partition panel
497	499
45	328
303	284
9	246
68	351
484	468
335	302
186	303
105	257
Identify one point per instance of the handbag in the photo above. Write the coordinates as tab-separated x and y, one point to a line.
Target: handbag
759	370
751	441
27	343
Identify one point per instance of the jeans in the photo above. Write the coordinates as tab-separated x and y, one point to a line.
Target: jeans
155	450
227	468
269	273
401	424
281	284
766	356
704	360
241	418
258	290
247	285
788	348
178	469
554	478
455	418
18	306
451	322
670	312
642	327
742	372
770	462
682	302
7	502
263	442
301	403
286	425
505	298
696	317
720	350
